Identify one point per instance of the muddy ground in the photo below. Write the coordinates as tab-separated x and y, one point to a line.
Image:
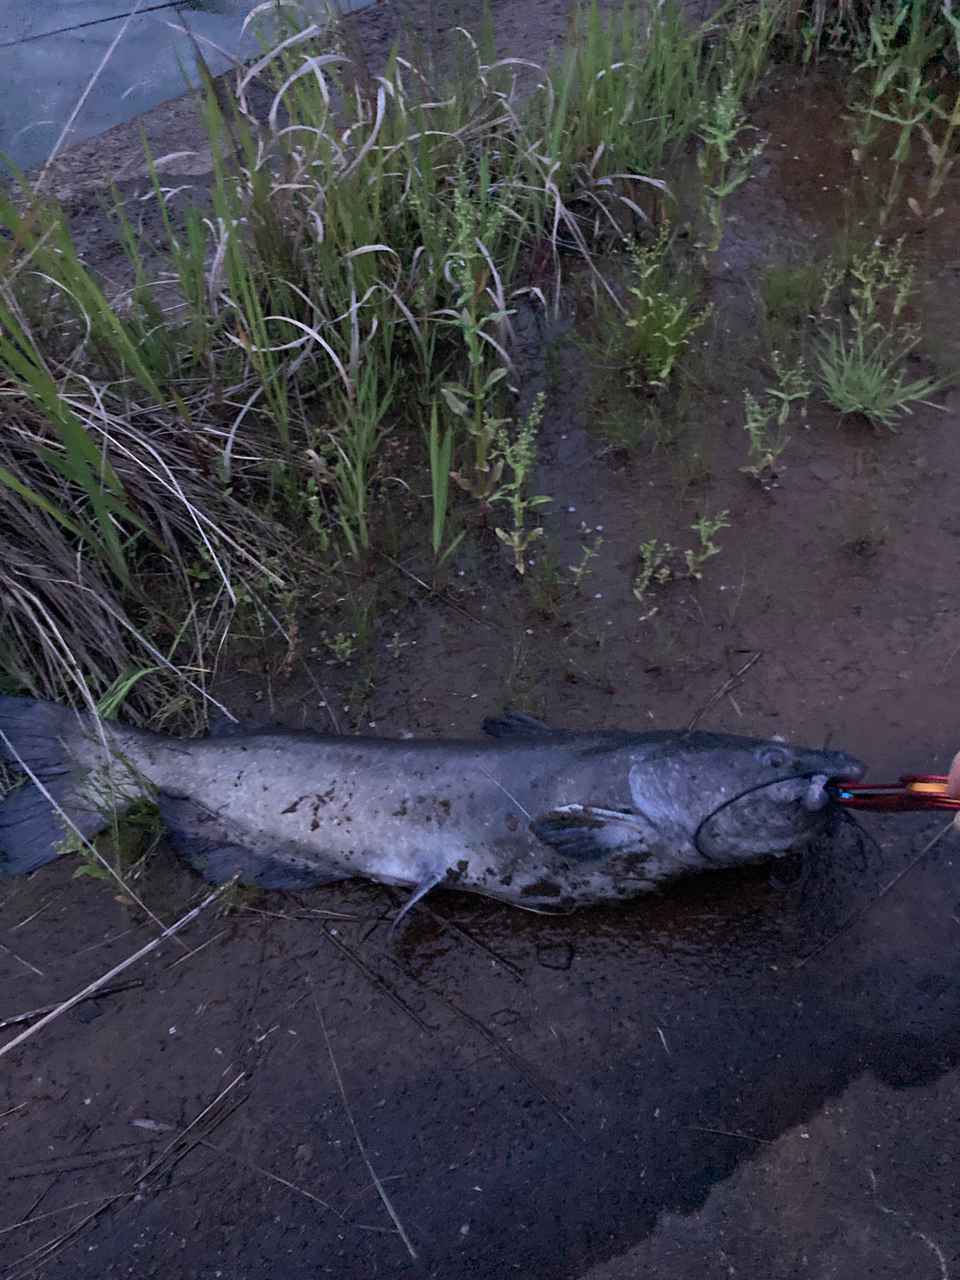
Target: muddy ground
730	1078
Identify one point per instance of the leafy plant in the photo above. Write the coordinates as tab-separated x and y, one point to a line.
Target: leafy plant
518	456
706	527
582	570
724	160
863	353
765	446
860	374
664	316
653	569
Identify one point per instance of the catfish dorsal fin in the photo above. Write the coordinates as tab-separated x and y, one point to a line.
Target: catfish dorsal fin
514	724
235	727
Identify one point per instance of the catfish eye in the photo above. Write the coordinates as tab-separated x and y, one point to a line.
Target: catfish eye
773	759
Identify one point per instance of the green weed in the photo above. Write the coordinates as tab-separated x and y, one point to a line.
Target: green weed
706	528
863	375
664	316
582	570
791	292
653	569
518	456
765	446
862	354
725	158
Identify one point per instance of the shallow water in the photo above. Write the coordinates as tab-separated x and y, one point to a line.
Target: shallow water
52	51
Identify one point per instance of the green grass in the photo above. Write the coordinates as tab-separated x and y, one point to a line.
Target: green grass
340	344
858	375
791	292
864	339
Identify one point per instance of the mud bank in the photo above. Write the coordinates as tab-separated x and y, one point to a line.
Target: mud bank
731	1078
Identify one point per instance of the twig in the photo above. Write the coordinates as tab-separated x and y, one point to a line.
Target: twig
434	592
731	1133
860	915
26	963
51	1213
30	1261
445	923
19	1018
378	981
107	977
526	1072
328	705
67	1164
248	1164
725	688
346	1106
196	951
49	903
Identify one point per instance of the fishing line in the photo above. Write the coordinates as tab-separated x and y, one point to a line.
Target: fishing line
861	915
760	786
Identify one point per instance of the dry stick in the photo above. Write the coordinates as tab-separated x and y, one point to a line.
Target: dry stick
528	1074
49	903
328	706
26	963
731	1133
165	1163
69	1164
309	913
725	688
855	919
51	1213
439	594
107	977
248	1164
196	951
45	1251
17	1019
455	929
363	1151
380	982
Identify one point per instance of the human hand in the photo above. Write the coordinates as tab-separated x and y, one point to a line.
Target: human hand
953	785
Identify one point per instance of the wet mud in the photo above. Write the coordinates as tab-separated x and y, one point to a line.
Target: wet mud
530	1094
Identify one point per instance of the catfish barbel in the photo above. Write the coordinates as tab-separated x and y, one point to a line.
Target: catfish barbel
537	817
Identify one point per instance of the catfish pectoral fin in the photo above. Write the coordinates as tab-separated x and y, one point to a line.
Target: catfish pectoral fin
579	831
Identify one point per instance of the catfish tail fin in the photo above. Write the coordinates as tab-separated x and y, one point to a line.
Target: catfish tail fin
37	816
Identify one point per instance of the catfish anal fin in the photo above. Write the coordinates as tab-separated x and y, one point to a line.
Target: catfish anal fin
214	846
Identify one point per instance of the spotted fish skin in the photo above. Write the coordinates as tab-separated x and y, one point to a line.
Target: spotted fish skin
541	818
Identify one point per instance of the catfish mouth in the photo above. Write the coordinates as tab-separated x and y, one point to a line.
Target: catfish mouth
771	816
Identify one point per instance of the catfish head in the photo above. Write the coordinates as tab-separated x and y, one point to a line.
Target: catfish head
694	800
737	799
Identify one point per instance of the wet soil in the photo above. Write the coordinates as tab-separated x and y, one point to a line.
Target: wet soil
531	1094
